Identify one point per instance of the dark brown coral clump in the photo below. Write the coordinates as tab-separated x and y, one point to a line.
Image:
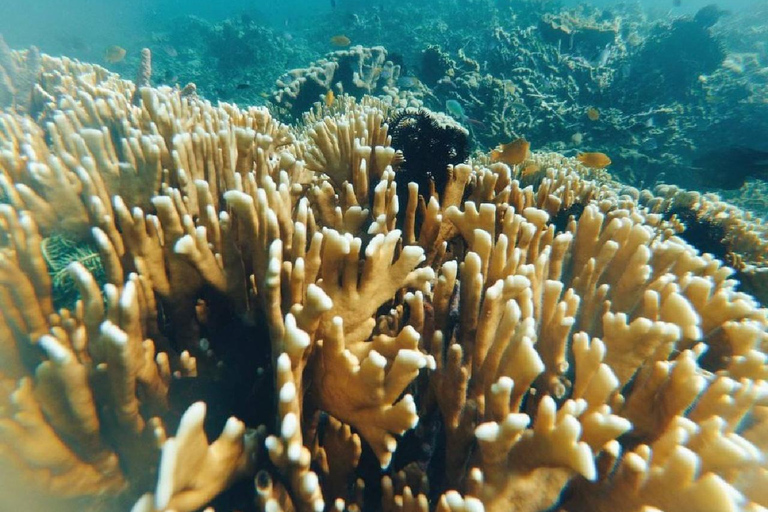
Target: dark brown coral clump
430	142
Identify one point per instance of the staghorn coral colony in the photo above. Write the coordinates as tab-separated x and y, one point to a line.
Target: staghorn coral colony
273	328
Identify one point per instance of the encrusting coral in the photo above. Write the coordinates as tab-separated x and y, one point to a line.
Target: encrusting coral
486	352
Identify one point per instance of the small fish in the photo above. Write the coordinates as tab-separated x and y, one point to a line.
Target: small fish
455	109
475	122
114	54
329	97
593	114
340	40
408	82
649	144
577	138
333	4
595	160
529	168
602	59
243	86
677	3
625	70
709	15
512	153
73	43
509	87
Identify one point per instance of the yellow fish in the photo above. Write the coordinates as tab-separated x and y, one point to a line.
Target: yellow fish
512	153
114	54
329	97
594	160
509	87
593	114
340	40
529	168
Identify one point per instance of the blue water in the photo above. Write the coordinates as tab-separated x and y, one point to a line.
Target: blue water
97	22
234	51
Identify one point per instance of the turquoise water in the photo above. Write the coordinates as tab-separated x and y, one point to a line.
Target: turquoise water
683	89
644	94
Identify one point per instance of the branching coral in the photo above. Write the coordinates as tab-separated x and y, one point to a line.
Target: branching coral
355	71
721	229
579	34
600	363
18	74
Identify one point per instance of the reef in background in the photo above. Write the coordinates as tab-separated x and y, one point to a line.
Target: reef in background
568	80
656	94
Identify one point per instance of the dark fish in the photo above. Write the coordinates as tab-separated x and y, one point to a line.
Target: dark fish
243	86
677	3
74	43
729	168
708	15
333	4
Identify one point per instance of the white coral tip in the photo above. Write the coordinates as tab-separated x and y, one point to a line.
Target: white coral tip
290	426
287	392
488	431
283	363
378	359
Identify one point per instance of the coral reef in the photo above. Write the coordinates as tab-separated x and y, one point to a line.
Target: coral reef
516	69
721	229
18	72
582	35
669	63
435	65
545	339
234	60
356	71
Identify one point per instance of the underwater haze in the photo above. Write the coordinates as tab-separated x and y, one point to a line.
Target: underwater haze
395	256
712	74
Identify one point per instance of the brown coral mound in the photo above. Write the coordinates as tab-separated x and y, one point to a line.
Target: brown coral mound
602	365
